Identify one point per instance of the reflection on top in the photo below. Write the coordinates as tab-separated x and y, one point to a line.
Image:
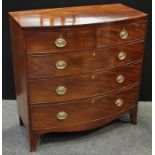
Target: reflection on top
75	15
38	20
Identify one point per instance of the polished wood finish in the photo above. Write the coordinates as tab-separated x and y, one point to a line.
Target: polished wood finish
76	68
42	66
135	31
20	71
83	86
76	16
76	127
45	42
45	116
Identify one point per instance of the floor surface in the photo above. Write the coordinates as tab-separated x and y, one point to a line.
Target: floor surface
117	138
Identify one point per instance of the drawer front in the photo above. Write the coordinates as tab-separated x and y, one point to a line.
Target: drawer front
82	86
68	63
76	112
59	41
119	33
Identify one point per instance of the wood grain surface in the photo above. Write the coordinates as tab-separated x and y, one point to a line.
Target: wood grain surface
110	35
82	86
83	110
75	16
45	42
43	66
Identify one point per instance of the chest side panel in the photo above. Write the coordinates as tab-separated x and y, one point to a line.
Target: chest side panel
20	70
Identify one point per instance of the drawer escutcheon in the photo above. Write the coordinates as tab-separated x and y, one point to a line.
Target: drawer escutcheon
62	115
61	64
119	102
92	101
61	90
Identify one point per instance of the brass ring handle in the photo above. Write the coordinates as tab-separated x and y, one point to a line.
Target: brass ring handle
123	34
120	79
119	102
62	115
121	55
61	64
60	42
61	90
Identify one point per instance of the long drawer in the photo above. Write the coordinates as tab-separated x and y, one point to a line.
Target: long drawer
68	63
76	112
65	88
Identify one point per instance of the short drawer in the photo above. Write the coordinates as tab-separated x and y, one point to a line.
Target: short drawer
119	33
68	63
46	42
77	112
81	86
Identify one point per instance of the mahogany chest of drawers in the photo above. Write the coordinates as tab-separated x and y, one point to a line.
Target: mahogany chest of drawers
76	68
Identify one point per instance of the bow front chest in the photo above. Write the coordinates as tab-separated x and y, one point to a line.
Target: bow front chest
76	68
